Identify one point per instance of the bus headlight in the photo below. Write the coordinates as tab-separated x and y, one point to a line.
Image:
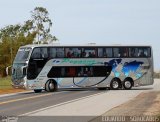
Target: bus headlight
25	85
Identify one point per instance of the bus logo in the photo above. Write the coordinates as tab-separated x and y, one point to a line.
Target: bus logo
56	61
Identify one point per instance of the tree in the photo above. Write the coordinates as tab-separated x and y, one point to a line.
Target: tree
11	38
14	36
41	24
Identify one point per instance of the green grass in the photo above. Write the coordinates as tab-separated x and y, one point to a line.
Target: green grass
5	83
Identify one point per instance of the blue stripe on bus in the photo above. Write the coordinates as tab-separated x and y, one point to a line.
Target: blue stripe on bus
84	79
60	79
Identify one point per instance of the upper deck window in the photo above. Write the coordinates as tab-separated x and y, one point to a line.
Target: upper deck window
105	52
39	53
139	52
120	52
89	52
55	52
52	52
72	52
60	52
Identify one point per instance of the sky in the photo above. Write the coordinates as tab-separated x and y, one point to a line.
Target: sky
107	22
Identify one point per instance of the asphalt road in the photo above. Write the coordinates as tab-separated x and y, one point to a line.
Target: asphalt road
22	103
73	104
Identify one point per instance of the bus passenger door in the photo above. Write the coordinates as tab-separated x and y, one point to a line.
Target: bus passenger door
37	61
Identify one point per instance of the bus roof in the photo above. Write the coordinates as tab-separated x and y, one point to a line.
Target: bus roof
85	45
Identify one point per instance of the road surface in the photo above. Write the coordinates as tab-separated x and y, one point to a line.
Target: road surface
77	103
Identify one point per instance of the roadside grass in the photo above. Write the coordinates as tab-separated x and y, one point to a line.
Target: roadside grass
6	87
5	83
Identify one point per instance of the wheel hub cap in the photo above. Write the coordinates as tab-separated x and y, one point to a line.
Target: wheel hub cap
115	84
127	84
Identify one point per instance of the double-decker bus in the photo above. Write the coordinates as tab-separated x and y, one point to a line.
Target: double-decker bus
49	67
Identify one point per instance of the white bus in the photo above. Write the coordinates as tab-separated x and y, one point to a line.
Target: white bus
49	67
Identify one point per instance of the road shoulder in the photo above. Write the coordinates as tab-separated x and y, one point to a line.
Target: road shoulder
145	104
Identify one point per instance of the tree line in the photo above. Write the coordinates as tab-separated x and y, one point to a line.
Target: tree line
156	75
35	30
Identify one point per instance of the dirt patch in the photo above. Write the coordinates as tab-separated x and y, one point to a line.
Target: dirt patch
154	109
143	104
10	90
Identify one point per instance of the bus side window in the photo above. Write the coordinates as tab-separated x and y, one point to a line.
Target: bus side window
100	52
140	53
146	52
89	52
76	52
116	52
68	52
108	52
52	52
60	53
124	51
36	53
83	54
71	72
44	53
132	52
72	52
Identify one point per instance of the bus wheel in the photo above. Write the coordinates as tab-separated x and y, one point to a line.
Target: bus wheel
115	84
37	90
50	86
128	83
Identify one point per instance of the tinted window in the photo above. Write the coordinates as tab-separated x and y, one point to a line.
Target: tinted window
59	52
108	52
82	71
139	52
116	52
124	52
89	52
36	53
22	54
100	52
147	52
52	52
39	53
105	52
44	52
120	52
72	52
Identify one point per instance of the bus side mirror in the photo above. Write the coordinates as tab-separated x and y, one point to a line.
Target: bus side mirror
7	70
24	70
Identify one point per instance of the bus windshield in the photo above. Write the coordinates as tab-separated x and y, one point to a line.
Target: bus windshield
22	54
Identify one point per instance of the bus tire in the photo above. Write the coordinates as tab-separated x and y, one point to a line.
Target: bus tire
128	83
51	86
37	90
115	84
